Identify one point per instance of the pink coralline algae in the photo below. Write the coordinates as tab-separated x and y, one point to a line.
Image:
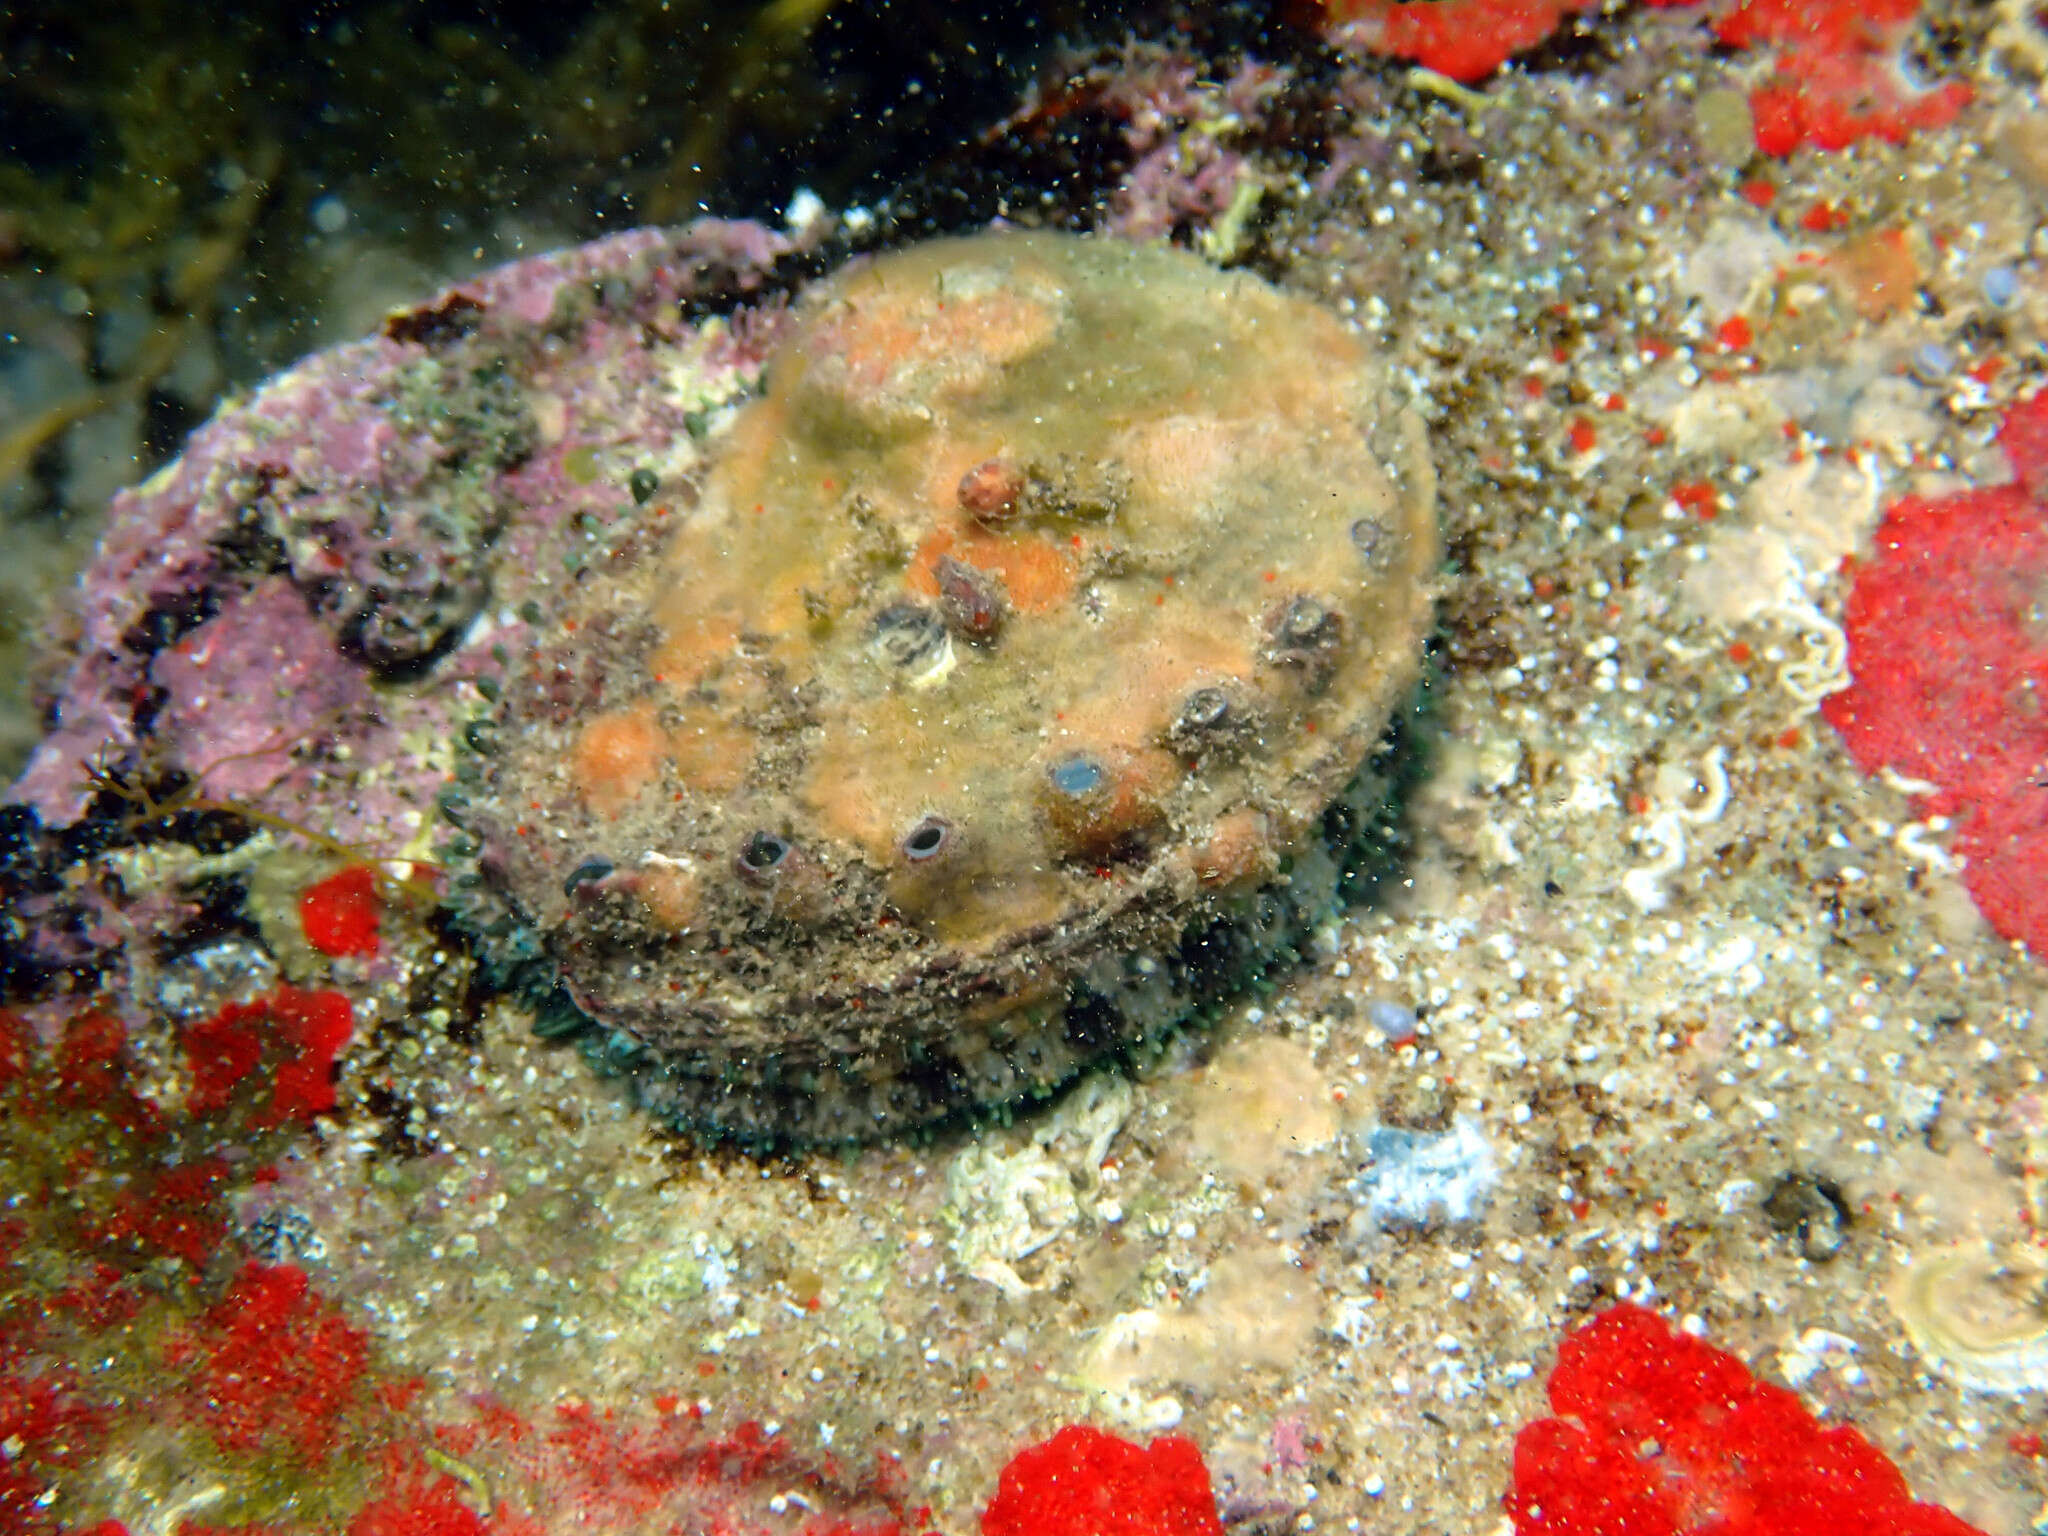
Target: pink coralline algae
373	517
1659	1434
1180	180
1948	652
268	646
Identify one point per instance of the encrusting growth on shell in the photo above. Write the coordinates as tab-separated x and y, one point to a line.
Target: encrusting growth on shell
1021	626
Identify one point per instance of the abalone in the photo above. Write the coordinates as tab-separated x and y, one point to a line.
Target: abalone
994	695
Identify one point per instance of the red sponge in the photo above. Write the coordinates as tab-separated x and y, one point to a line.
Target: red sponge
1948	652
1839	72
1659	1434
1083	1482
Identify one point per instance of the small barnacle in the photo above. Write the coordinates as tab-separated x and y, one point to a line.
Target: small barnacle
762	857
1811	1209
927	840
912	640
906	634
1932	363
1213	718
1206	709
1305	634
1307	624
285	1236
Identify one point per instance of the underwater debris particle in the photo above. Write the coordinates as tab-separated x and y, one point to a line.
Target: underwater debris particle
1415	1178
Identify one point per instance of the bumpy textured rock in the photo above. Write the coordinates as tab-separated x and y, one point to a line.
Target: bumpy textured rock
980	708
295	611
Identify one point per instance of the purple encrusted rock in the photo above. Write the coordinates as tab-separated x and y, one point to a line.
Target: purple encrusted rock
297	611
268	655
